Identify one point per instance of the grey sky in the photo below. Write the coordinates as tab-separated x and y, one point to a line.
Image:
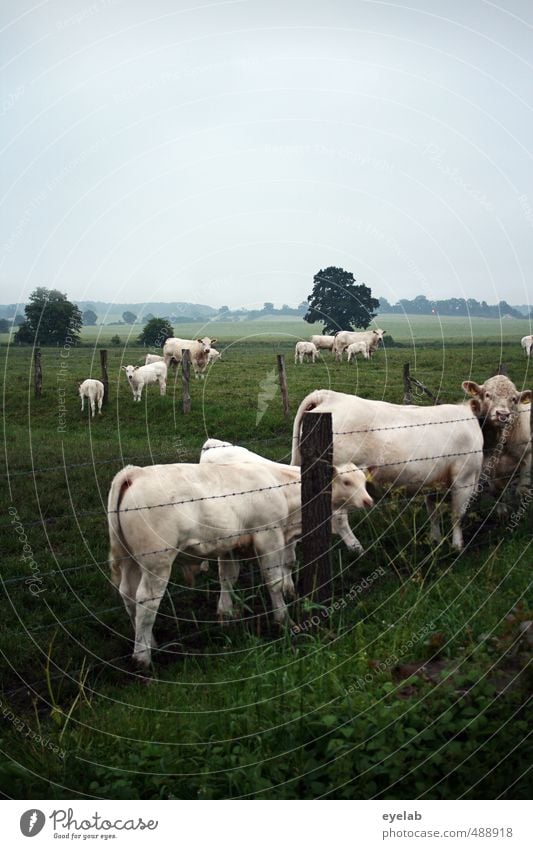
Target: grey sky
224	152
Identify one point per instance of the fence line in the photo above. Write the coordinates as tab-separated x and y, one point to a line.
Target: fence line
379	502
94	513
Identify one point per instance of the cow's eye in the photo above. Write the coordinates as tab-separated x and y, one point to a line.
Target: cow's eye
487	395
515	399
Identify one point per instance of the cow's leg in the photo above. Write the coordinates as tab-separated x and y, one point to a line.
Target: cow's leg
432	507
269	546
463	492
288	562
82	402
296	359
154	579
162	386
100	401
228	575
92	406
341	527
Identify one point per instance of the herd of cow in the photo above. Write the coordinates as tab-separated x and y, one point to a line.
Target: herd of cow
234	504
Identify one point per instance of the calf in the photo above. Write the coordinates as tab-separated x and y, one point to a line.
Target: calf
216	451
355	348
153	358
527	344
305	350
94	391
404	446
202	511
140	376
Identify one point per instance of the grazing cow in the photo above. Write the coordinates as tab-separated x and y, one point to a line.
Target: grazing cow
153	358
202	510
404	446
504	413
198	349
140	376
94	391
216	451
344	338
527	344
323	342
305	350
355	348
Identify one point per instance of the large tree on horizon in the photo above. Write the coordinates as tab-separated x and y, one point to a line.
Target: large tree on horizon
51	319
339	302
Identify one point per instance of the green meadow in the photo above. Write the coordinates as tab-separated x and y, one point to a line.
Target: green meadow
411	683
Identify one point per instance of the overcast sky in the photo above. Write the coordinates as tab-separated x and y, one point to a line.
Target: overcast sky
224	152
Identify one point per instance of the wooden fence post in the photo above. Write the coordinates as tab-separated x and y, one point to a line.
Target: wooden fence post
317	454
283	385
105	376
38	372
407	393
185	374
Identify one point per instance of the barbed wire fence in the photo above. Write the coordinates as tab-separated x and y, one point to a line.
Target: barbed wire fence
319	551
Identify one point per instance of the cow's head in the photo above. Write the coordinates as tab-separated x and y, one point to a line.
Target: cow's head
379	334
349	488
129	371
206	343
497	400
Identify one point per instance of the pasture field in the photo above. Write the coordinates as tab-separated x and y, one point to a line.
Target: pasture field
406	329
413	683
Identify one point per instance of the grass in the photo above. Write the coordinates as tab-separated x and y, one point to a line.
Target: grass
408	329
338	710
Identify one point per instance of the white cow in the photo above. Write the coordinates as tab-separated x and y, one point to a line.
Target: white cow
323	342
355	348
213	356
527	344
404	446
202	510
344	338
217	451
140	376
94	391
153	358
198	349
505	421
305	350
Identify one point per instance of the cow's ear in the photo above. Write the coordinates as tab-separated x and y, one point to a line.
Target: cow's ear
199	340
471	387
475	406
525	397
213	341
123	368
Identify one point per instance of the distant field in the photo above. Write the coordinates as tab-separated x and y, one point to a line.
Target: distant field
403	328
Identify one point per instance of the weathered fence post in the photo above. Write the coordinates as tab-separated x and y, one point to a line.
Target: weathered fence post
283	385
502	369
185	374
105	376
317	454
38	372
407	393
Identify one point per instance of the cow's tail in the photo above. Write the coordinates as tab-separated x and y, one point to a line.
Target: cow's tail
309	403
118	547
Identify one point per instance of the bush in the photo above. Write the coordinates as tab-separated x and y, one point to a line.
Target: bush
116	340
